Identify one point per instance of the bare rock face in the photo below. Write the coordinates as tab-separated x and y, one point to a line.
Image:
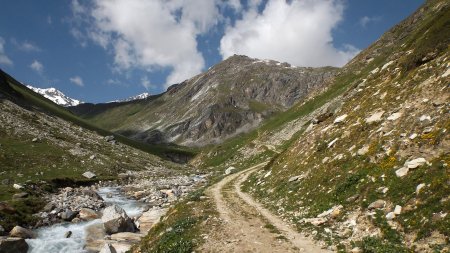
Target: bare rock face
21	232
13	245
116	220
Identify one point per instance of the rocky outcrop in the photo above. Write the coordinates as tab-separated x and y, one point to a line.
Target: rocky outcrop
116	220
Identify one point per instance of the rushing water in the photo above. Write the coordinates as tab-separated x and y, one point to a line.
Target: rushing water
51	239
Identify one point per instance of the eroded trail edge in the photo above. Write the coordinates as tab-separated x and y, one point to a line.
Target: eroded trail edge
245	222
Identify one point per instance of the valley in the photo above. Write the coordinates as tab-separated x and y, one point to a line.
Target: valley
249	156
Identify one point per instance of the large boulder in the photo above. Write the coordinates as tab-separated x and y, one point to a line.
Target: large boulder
13	245
88	214
21	232
116	220
68	215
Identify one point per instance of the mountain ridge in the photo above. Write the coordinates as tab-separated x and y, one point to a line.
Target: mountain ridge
231	97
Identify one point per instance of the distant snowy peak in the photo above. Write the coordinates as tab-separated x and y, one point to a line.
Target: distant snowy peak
137	97
56	96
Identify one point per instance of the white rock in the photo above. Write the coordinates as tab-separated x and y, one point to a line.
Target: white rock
419	187
425	117
332	143
386	65
447	73
395	116
229	170
17	186
295	178
415	163
268	174
390	216
340	119
363	150
375	71
397	210
375	117
89	174
402	172
413	136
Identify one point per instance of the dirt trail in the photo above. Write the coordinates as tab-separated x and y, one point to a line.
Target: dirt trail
246	226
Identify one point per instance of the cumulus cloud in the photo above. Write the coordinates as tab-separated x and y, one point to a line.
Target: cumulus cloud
297	31
4	59
149	35
37	66
77	81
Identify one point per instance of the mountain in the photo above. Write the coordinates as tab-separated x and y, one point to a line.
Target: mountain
363	165
55	96
43	147
232	97
137	97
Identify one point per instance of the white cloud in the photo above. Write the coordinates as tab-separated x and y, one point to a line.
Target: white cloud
4	59
77	81
364	21
150	34
37	66
298	32
146	83
25	46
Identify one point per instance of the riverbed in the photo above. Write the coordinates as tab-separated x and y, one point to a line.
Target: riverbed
52	239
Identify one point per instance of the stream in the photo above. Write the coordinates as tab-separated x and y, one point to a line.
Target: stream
51	239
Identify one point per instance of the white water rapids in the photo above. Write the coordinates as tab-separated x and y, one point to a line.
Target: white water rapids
51	239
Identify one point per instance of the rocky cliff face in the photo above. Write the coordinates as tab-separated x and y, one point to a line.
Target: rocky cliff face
232	97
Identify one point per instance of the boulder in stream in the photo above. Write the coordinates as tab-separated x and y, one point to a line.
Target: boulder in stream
13	245
21	232
88	214
116	220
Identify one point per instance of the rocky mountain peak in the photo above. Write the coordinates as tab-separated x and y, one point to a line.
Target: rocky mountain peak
55	96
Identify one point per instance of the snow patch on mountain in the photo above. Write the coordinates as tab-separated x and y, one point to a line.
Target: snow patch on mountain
137	97
55	96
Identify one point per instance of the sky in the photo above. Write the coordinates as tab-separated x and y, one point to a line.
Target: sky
103	50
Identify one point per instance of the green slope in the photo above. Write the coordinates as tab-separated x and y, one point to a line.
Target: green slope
20	94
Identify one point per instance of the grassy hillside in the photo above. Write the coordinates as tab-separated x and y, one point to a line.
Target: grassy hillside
397	113
18	93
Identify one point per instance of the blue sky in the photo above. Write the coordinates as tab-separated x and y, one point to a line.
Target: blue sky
102	50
